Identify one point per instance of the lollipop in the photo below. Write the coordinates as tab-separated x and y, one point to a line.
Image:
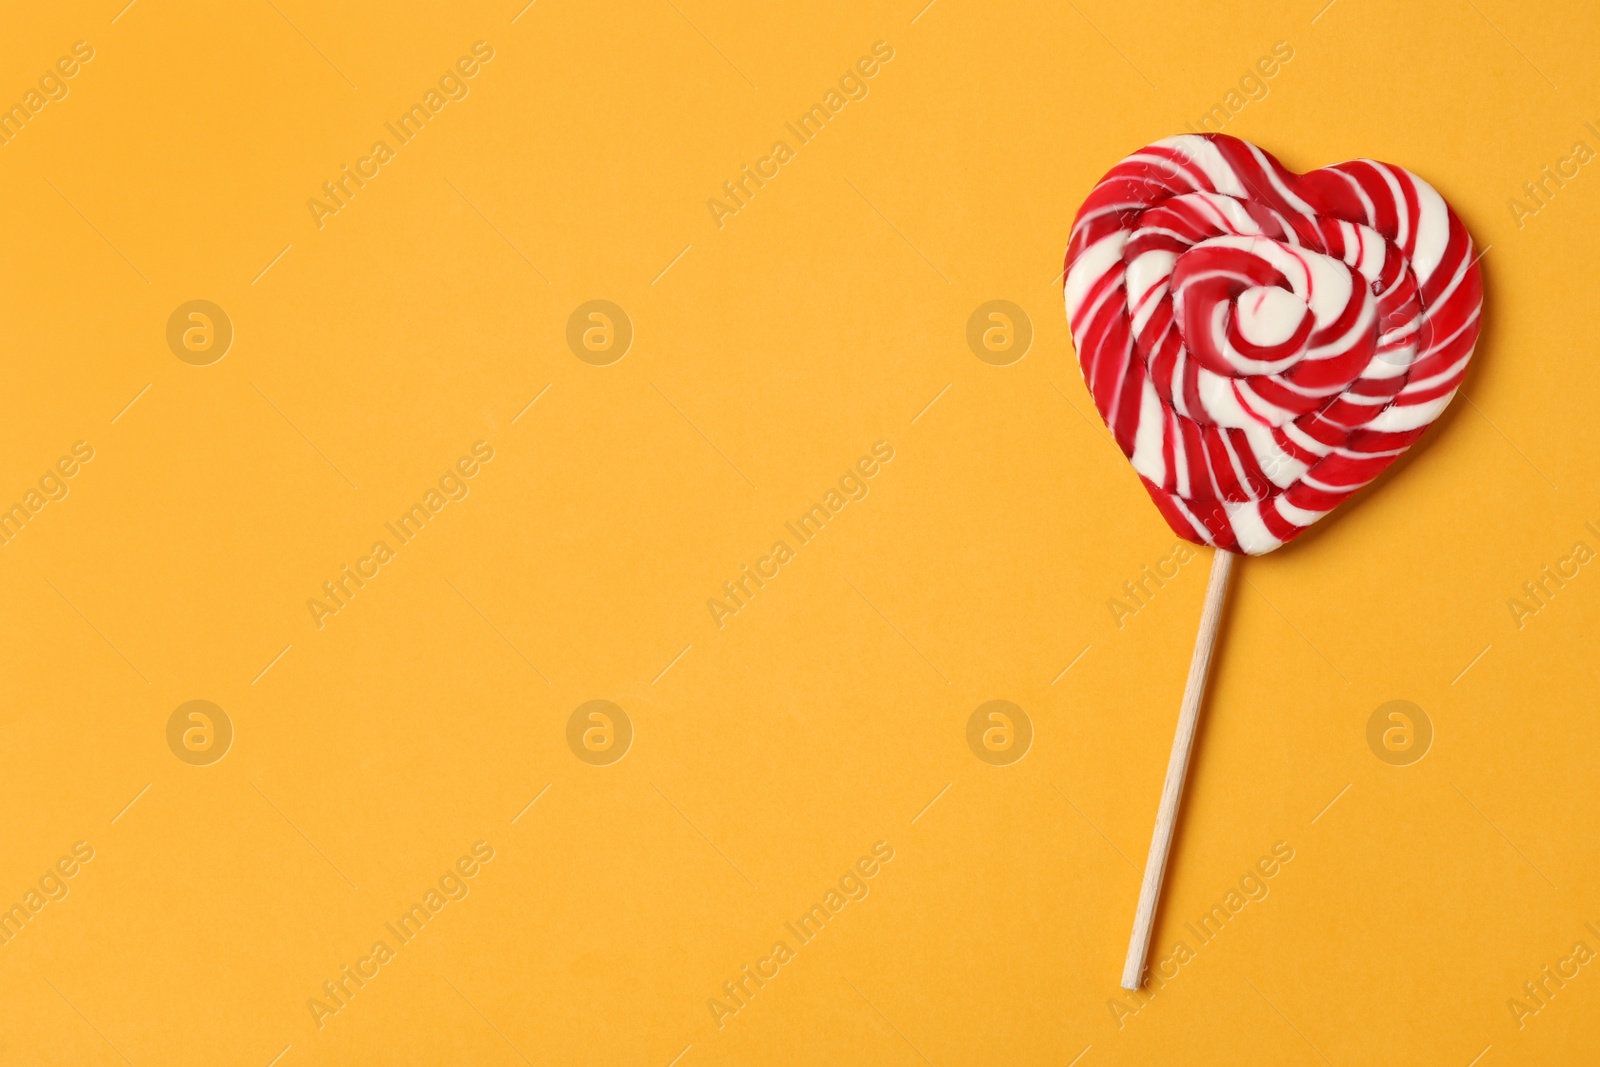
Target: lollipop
1261	345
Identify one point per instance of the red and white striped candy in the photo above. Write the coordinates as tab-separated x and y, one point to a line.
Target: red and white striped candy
1263	344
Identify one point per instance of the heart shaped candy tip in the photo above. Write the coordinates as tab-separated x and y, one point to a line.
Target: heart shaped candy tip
1262	344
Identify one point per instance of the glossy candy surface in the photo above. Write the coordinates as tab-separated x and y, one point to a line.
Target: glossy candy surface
1263	344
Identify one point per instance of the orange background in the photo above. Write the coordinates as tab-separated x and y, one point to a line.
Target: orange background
768	355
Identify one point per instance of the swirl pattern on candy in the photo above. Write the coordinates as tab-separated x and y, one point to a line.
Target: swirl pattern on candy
1262	344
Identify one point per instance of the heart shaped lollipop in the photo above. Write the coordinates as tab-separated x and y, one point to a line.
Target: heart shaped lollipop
1263	344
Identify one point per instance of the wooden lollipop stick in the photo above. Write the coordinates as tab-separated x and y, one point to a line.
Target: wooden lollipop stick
1155	867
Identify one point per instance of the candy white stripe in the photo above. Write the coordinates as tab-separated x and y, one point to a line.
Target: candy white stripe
1400	417
1297	515
1249	528
1099	259
1203	154
1180	461
1230	214
1304	440
1361	193
1371	254
1391	363
1402	213
1423	385
1433	231
1271	414
1277	183
1147	458
1352	454
1146	280
1281	469
1449	290
1198	526
1325	486
1348	340
1180	400
1217	397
